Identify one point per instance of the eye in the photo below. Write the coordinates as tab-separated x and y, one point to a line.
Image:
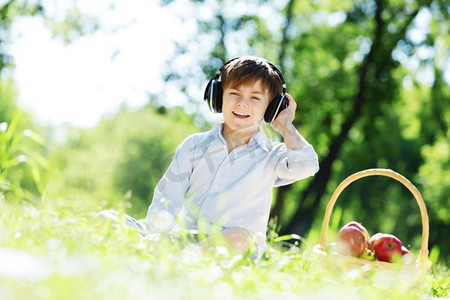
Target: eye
256	98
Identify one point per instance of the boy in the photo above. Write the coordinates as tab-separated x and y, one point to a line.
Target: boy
220	182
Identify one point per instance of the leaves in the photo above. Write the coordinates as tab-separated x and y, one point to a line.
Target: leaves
335	56
19	147
73	25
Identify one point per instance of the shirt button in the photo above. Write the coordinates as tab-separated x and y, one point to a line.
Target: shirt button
216	186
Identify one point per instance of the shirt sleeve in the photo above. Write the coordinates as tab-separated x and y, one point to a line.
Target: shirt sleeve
170	191
295	164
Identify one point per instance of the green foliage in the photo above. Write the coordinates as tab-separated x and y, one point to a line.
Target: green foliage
122	158
435	174
51	248
354	69
21	161
73	25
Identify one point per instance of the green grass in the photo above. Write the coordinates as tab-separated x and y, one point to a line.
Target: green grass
48	252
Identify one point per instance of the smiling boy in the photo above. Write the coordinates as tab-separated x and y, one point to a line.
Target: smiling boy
220	182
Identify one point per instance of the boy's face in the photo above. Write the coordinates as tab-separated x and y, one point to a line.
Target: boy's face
243	107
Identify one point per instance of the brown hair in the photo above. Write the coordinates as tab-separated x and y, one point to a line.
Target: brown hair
248	70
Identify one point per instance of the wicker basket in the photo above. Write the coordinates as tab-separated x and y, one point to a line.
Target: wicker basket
422	264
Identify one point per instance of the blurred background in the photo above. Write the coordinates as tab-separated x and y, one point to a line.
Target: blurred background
95	96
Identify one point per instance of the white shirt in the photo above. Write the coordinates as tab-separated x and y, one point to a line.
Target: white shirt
208	189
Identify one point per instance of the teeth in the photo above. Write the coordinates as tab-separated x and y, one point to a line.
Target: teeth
239	114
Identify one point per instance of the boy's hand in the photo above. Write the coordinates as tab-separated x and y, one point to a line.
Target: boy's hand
286	116
283	124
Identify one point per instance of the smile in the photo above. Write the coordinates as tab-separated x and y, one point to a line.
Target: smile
240	115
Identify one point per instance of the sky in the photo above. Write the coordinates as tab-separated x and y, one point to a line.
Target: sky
80	82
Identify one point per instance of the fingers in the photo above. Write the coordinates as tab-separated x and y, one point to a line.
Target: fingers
292	106
286	115
291	100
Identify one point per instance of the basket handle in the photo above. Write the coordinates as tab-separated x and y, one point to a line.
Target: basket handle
423	254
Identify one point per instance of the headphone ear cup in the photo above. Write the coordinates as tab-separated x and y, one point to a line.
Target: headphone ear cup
213	95
275	107
216	96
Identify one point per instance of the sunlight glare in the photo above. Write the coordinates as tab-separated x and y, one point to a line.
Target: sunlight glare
96	73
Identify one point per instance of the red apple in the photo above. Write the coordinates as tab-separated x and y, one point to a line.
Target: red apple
350	241
361	228
385	246
372	240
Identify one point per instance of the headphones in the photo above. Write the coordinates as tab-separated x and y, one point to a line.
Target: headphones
213	95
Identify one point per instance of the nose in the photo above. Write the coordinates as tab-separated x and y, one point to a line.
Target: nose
243	101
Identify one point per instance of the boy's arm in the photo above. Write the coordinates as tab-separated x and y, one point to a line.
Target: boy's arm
300	160
170	192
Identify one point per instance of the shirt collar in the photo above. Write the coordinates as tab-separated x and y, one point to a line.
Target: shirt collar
260	138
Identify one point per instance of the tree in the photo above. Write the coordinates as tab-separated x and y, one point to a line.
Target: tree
374	89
